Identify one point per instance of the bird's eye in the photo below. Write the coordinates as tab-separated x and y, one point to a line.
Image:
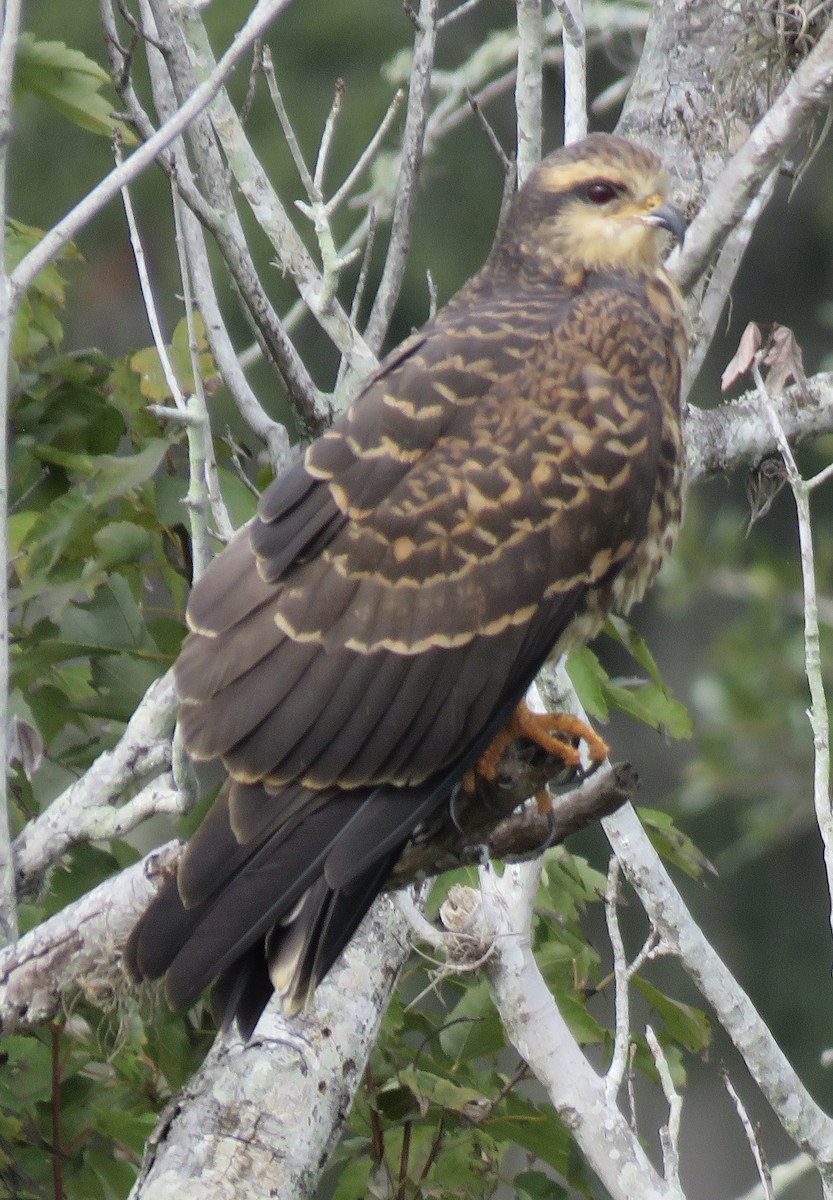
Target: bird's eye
602	193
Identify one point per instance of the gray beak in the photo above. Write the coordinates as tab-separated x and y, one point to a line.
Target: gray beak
670	218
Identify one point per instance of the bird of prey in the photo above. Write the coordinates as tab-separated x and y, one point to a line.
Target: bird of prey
506	477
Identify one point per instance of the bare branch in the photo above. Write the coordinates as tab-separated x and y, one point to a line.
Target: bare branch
784	1175
174	79
197	501
296	1066
575	69
203	475
419	95
538	1031
367	156
739	433
529	86
710	308
753	1138
271	216
670	1133
801	1117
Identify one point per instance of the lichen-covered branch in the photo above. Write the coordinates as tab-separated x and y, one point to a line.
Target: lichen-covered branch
289	1088
806	93
79	949
538	1031
739	434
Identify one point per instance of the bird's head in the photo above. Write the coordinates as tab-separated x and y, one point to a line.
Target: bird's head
596	204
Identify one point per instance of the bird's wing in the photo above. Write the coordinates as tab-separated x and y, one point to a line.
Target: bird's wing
458	546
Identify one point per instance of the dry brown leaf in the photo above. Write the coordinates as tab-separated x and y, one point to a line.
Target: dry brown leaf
741	361
784	359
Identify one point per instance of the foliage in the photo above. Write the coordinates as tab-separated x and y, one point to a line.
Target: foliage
446	1104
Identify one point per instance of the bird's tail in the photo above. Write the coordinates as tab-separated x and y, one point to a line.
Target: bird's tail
273	913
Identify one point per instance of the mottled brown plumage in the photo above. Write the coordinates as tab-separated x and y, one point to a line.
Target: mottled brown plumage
506	477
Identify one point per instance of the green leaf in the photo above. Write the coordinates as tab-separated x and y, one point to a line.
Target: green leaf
115	1175
535	1128
674	845
436	1090
112	621
685	1024
589	678
27	1073
643	1060
118	543
58	525
111	475
70	82
473	1028
584	1027
353	1179
619	629
536	1186
652	704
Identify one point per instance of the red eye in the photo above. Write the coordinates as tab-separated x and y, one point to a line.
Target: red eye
601	193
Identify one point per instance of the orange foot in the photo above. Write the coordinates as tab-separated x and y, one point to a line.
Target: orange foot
539	728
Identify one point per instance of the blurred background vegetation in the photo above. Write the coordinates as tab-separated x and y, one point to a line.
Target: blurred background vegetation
724	622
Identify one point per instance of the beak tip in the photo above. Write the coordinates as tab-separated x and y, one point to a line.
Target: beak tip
666	216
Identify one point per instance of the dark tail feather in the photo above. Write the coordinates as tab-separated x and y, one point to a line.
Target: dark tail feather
301	952
242	992
272	920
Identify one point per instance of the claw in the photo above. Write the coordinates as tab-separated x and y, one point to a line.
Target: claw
541	729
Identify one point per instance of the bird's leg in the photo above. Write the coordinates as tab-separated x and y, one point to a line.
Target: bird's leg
540	728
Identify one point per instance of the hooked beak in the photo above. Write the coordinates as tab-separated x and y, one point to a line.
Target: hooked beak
666	216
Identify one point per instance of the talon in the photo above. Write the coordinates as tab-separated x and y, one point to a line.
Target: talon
539	728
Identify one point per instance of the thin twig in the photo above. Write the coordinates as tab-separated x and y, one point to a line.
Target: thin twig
231	243
419	95
327	136
459	11
623	973
752	1136
199	436
723	276
669	1134
783	1176
286	125
197	499
622	1024
494	140
367	156
818	712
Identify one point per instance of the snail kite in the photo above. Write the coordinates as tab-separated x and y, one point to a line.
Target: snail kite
507	476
